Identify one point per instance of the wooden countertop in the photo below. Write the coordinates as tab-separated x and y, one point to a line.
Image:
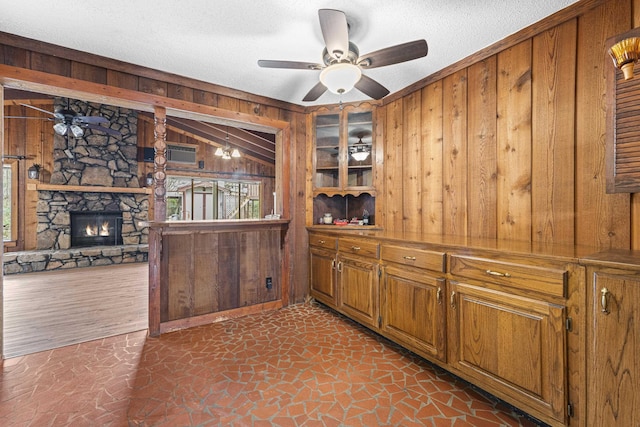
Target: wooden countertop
573	253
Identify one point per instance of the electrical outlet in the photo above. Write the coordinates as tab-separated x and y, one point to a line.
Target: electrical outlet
269	283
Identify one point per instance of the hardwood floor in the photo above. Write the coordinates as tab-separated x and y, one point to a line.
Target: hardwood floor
53	309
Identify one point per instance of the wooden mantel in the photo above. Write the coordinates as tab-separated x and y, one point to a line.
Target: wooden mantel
87	188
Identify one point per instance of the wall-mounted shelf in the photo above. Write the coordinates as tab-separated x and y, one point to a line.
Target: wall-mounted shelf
87	189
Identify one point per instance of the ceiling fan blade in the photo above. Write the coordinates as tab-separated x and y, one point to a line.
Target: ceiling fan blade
110	131
394	54
315	92
371	88
264	63
335	32
39	109
96	120
28	118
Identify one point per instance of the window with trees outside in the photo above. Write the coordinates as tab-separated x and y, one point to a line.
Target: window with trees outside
190	198
9	201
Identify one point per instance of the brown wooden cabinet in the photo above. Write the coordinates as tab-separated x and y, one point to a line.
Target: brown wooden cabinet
343	152
323	268
508	335
358	280
613	352
413	307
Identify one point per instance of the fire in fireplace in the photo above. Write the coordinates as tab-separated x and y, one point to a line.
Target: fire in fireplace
96	228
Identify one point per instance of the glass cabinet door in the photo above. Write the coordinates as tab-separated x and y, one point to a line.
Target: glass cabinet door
327	168
359	149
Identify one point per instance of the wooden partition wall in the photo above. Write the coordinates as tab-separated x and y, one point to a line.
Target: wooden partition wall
510	143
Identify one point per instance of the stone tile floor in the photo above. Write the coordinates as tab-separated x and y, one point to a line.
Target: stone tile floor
303	365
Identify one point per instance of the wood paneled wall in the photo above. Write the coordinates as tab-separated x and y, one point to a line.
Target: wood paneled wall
29	54
512	145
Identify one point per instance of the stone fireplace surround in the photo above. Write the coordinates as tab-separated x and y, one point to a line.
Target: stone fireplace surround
96	159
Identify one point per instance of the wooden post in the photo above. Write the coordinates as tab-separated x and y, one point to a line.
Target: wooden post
160	164
159	214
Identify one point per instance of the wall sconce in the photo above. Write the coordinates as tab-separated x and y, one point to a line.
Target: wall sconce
34	171
149	179
625	54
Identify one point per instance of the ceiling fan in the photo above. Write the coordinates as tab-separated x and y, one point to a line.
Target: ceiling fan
70	123
343	65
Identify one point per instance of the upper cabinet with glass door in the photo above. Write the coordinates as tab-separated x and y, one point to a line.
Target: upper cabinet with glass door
344	147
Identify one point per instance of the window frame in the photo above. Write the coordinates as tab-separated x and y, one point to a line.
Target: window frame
13	164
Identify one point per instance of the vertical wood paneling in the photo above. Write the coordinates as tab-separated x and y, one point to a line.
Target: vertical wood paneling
553	135
635	198
122	80
88	72
205	274
602	220
482	169
514	143
454	167
432	157
249	279
393	166
180	273
411	163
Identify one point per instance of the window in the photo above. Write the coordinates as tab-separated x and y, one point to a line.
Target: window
202	198
9	201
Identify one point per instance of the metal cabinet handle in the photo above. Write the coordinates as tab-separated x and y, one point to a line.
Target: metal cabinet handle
333	264
355	248
340	266
497	273
603	300
452	299
409	258
439	295
322	242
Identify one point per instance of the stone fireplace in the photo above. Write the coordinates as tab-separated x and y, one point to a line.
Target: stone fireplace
96	174
97	159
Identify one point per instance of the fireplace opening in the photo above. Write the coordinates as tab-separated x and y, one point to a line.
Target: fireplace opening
96	229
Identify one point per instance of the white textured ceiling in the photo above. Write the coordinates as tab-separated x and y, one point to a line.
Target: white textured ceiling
221	41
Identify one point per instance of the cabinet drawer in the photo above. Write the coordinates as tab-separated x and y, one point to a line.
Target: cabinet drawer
322	241
358	247
549	280
431	260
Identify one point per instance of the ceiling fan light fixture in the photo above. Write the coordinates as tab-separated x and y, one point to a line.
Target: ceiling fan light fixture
341	77
360	155
60	128
76	131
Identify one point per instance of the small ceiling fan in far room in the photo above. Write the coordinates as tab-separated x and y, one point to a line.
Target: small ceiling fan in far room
343	65
70	123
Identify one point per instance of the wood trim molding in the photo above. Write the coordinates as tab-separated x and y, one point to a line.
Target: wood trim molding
124	67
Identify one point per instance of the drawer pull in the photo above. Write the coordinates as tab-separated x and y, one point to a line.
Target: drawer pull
355	248
497	273
603	300
439	295
322	242
409	258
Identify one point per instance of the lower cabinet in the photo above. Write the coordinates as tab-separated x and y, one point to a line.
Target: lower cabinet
613	361
322	268
358	280
413	310
510	345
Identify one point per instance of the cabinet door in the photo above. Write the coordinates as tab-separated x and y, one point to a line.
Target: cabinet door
614	363
322	276
510	345
327	151
359	150
413	310
358	289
